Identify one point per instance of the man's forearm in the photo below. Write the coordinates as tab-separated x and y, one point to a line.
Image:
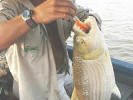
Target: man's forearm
45	13
11	30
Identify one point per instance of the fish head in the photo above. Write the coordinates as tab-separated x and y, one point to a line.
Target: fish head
88	45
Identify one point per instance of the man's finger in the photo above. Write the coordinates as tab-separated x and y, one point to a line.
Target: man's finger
59	15
66	10
65	3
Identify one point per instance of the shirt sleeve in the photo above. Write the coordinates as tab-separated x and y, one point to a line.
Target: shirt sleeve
8	10
67	25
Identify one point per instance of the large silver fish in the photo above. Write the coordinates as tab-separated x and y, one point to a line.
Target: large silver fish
92	68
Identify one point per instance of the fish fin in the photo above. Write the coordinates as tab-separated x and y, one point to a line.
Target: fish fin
74	95
116	95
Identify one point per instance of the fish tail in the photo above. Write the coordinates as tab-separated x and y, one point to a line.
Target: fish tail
116	95
74	95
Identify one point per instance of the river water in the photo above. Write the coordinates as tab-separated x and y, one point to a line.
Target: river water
117	25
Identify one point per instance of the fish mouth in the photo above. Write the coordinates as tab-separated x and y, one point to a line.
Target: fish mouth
85	27
81	28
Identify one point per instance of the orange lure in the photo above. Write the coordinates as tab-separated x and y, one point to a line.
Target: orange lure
83	26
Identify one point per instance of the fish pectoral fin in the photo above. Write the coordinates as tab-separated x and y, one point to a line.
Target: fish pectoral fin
116	95
74	95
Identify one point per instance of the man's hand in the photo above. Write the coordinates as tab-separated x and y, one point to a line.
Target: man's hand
52	10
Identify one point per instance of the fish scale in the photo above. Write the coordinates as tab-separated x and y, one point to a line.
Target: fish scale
92	68
85	83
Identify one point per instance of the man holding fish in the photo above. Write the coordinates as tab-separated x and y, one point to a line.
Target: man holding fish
33	34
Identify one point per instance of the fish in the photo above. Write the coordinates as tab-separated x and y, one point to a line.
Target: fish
93	72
